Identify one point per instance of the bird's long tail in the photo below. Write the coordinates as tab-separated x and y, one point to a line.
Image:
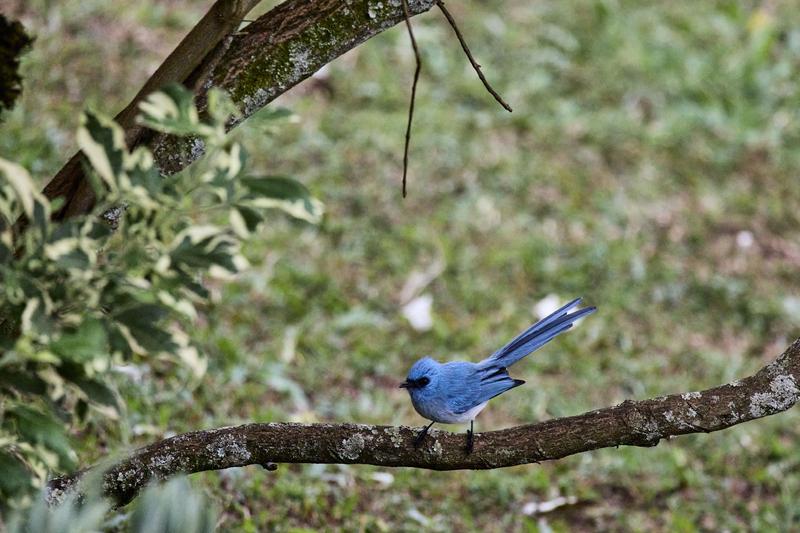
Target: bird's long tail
537	335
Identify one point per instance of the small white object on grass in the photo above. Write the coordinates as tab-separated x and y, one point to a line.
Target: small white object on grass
744	239
418	312
532	508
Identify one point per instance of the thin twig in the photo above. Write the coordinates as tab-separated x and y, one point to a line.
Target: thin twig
413	93
474	63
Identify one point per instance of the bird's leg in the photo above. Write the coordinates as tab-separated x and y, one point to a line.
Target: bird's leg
470	437
421	435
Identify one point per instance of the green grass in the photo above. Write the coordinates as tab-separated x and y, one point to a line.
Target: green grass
647	140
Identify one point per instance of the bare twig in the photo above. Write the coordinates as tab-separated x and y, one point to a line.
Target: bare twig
413	93
771	390
474	63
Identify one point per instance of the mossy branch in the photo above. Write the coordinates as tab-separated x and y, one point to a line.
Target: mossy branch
254	65
221	20
281	49
633	423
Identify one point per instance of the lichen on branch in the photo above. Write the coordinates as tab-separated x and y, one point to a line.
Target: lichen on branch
255	65
771	390
284	47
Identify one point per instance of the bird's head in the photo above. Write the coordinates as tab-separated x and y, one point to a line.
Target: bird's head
422	376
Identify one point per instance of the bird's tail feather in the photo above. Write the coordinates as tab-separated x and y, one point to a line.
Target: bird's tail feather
538	335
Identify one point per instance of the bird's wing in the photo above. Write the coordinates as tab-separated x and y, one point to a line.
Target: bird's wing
495	381
461	386
466	385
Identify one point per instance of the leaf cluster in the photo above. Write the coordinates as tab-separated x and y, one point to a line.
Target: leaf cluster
121	285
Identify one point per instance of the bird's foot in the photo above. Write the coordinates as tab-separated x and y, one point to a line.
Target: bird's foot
470	441
420	438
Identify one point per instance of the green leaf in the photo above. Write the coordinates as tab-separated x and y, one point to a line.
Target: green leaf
143	172
6	253
286	194
201	247
190	284
21	183
15	478
40	428
98	392
228	164
277	187
23	382
36	321
103	142
95	390
172	110
250	217
68	249
18	191
87	342
221	107
143	322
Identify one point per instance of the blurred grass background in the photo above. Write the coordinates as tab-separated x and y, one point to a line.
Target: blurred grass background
650	165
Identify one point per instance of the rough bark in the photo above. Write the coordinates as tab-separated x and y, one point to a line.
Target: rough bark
633	423
256	65
221	20
281	49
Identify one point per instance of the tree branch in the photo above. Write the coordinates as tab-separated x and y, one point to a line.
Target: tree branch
256	65
279	50
221	20
633	423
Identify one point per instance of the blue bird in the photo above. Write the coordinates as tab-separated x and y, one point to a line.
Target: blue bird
455	392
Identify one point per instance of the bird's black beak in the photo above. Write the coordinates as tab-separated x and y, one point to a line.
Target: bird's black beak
405	385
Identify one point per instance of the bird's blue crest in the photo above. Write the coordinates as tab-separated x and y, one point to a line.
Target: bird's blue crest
424	367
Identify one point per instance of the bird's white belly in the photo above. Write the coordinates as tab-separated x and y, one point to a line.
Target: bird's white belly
460	418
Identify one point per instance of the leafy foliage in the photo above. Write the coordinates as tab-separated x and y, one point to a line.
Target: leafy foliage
171	507
121	284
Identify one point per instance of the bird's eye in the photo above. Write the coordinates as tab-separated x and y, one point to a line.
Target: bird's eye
423	381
